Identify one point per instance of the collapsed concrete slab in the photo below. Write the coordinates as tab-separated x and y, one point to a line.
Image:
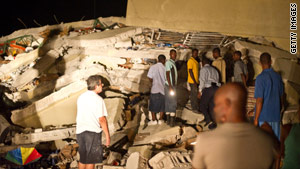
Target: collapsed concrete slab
36	115
166	137
44	136
105	38
42	64
20	60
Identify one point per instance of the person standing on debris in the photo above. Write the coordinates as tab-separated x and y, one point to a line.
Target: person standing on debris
220	64
193	79
170	88
209	82
157	76
235	144
240	69
90	122
269	94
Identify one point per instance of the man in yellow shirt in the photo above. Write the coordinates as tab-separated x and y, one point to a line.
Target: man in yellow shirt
193	79
220	64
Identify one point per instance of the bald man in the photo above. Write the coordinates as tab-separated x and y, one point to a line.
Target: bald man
235	143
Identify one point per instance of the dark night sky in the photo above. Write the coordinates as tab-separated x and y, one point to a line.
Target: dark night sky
65	10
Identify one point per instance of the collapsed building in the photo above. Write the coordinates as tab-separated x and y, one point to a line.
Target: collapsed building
43	71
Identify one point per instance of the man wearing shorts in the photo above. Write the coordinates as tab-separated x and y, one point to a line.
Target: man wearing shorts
91	121
157	76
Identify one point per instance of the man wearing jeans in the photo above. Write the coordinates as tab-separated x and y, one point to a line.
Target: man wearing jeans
91	121
269	96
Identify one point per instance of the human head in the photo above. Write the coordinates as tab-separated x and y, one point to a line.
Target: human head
205	61
173	54
265	60
216	53
230	103
162	59
195	53
237	55
94	83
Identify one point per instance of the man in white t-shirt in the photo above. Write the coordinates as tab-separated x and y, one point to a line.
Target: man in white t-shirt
91	121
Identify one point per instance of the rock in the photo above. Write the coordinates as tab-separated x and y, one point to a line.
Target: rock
191	117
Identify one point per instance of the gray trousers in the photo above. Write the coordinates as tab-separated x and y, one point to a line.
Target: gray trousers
193	96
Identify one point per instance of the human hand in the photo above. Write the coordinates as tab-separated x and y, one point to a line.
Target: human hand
255	122
199	95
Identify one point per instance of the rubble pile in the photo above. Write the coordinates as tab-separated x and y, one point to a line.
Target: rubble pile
43	71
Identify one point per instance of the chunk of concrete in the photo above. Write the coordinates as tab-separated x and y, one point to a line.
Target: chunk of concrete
291	115
190	117
116	118
135	161
44	136
165	137
145	151
171	160
188	133
20	60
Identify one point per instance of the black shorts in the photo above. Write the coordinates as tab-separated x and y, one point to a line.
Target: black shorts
90	147
157	103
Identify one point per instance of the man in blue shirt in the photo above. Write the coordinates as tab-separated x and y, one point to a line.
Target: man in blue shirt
269	95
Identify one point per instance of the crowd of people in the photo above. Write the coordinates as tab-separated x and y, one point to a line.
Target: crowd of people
233	142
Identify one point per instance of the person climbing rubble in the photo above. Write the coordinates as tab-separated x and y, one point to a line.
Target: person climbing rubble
91	121
170	88
157	76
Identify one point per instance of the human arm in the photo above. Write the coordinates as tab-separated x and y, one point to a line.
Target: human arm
259	96
244	78
202	78
192	76
104	126
169	80
258	105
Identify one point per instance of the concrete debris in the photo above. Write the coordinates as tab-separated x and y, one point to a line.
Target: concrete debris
291	115
191	117
4	128
188	133
145	151
171	160
44	136
166	137
46	76
135	161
